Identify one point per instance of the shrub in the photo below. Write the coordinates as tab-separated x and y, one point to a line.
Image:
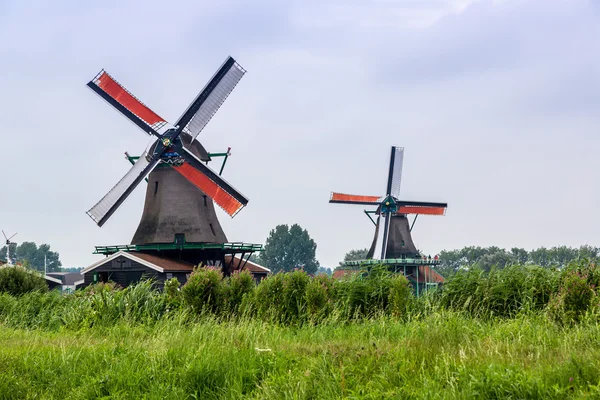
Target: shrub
504	292
236	289
573	300
172	293
268	297
203	290
319	297
282	297
399	296
17	280
365	294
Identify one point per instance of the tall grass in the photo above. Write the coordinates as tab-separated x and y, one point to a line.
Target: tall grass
520	332
295	298
443	355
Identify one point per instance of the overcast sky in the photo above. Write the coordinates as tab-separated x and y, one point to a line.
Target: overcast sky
495	102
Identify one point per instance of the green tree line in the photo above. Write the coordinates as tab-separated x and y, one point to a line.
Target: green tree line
487	257
32	256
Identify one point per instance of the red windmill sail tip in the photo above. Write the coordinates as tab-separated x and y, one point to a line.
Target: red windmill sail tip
115	90
225	200
353	198
426	210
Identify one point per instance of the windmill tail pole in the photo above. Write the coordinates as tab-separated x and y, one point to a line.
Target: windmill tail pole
227	154
386	225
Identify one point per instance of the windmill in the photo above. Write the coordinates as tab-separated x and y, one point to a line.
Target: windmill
181	190
8	243
393	241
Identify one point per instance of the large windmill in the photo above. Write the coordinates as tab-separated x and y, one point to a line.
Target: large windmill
392	243
179	220
8	243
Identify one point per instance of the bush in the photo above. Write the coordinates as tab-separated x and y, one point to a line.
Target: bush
573	300
172	293
319	297
399	296
282	297
236	288
17	280
502	293
268	298
365	294
203	291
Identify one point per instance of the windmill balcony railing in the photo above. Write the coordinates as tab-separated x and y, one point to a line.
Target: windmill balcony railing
234	247
394	261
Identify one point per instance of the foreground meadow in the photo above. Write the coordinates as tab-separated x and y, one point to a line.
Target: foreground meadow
523	332
441	356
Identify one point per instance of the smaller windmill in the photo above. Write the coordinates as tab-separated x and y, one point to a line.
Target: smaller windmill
393	241
8	243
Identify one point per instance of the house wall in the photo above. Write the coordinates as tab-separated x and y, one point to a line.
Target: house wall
125	272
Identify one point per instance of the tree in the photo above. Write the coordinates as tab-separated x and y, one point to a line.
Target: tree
30	253
288	248
13	252
18	280
355	255
324	270
520	255
498	259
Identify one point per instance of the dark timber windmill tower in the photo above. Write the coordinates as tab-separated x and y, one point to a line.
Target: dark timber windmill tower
179	220
392	244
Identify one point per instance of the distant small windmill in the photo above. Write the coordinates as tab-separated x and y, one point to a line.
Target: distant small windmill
394	239
8	243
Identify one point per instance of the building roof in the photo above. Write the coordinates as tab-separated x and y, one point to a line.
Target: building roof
67	278
250	266
427	275
159	264
166	264
53	279
338	273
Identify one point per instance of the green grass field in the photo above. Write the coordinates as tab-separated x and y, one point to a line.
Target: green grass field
518	333
443	355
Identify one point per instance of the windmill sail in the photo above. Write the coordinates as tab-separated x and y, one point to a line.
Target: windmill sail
130	106
419	207
205	179
117	195
342	198
395	173
206	104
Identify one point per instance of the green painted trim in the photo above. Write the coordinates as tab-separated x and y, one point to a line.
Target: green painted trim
232	248
393	261
371	218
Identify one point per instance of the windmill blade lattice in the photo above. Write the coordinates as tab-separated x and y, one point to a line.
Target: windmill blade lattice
125	102
119	193
395	174
206	104
342	198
